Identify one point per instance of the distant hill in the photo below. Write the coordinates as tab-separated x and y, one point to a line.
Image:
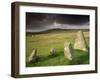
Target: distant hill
56	30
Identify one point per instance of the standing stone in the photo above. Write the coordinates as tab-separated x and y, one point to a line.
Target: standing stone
80	42
33	56
68	50
52	51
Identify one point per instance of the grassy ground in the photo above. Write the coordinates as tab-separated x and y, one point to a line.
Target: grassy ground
55	39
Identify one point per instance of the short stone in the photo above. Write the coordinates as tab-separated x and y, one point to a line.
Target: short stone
52	51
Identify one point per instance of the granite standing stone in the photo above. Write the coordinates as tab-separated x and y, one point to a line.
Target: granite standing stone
68	50
80	42
52	51
32	56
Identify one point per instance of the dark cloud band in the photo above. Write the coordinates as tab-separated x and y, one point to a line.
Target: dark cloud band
43	20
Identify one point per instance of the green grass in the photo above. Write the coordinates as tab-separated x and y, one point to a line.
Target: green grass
45	41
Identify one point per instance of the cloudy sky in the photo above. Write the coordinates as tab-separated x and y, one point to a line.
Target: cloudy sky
36	22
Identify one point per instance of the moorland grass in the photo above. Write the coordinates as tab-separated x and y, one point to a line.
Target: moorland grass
45	41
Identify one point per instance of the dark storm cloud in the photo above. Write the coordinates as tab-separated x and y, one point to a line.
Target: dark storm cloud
73	19
38	21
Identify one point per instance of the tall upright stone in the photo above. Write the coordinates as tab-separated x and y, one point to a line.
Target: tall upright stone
33	56
68	50
80	42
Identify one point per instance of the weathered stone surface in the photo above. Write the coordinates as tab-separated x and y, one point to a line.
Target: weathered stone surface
68	50
52	51
33	56
80	42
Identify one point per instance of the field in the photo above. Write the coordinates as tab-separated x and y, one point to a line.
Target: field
43	42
